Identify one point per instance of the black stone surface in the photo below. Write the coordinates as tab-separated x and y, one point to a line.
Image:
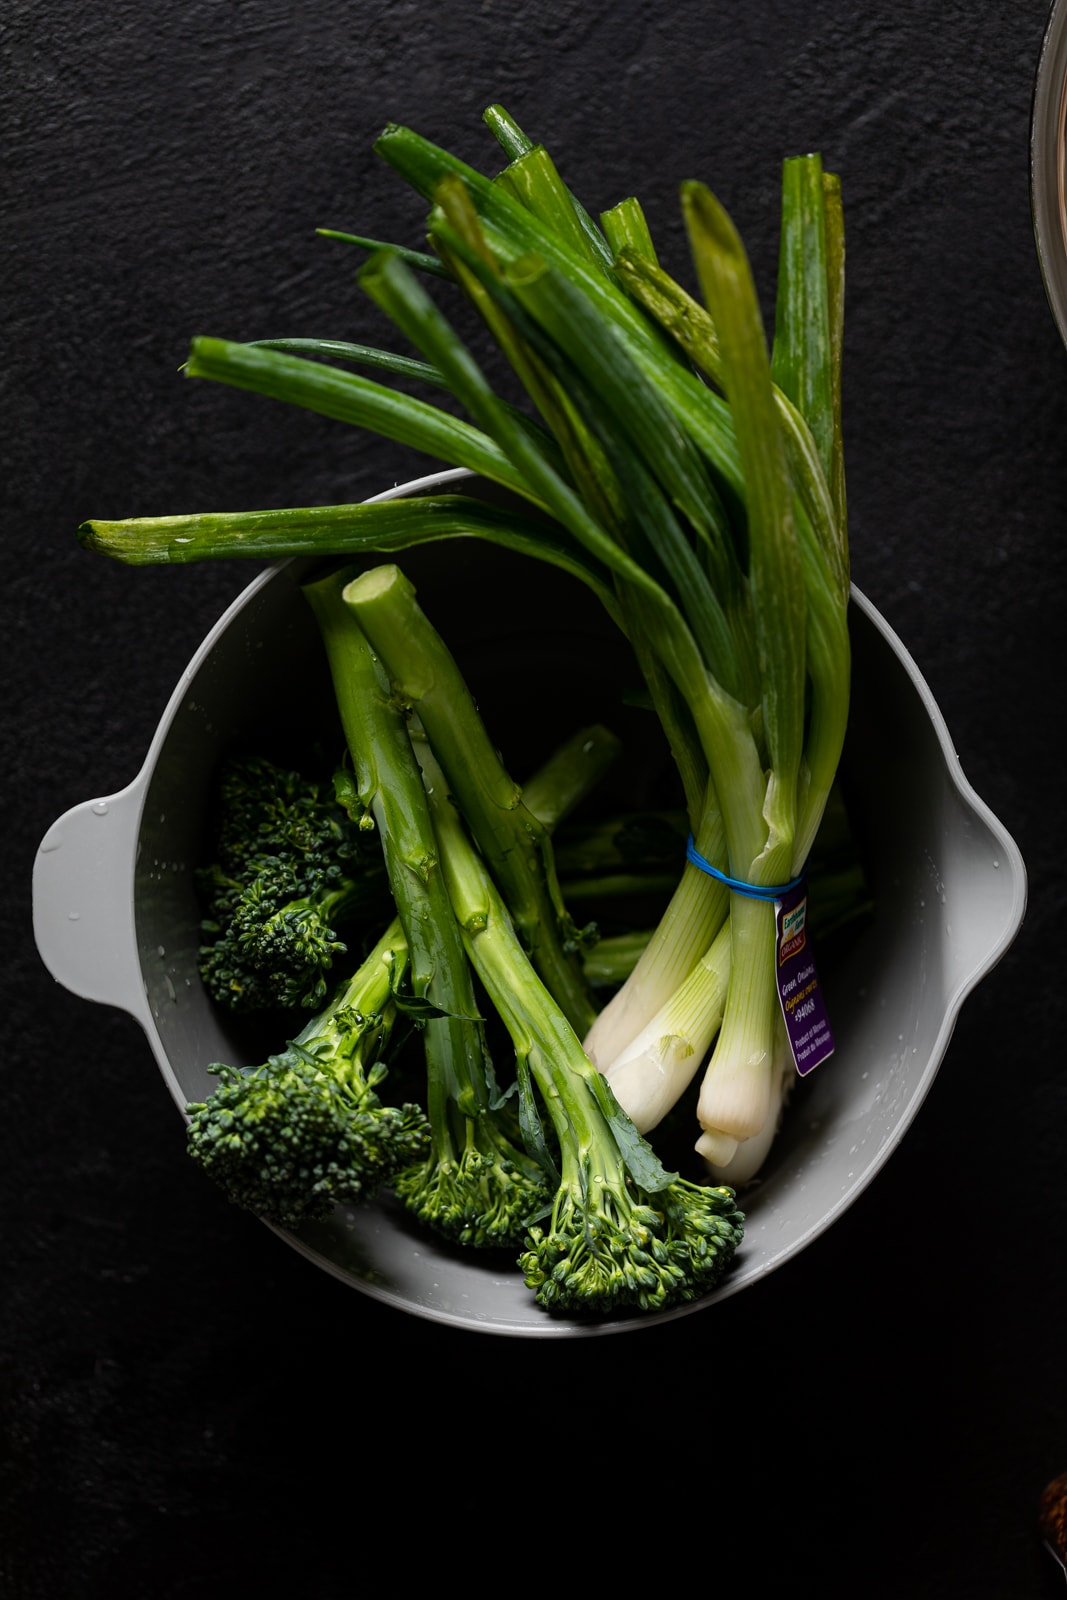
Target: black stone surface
188	1408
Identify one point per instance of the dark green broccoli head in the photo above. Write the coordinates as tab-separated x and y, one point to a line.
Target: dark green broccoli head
295	949
271	811
292	870
283	957
289	1140
619	1248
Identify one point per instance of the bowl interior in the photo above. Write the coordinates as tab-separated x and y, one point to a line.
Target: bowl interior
543	660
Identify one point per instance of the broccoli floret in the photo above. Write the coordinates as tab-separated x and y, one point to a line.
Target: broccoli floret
270	811
477	1186
306	1130
622	1232
612	1244
292	867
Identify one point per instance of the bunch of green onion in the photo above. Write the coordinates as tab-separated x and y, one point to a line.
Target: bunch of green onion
684	469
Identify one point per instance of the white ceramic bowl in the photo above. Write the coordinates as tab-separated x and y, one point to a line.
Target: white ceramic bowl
116	916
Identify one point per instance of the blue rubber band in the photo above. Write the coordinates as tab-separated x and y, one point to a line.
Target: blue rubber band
754	891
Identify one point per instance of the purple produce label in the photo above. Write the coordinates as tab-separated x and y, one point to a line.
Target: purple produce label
803	1007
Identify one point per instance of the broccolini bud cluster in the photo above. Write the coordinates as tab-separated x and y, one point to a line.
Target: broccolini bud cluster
292	868
289	1141
610	1246
484	1195
305	1131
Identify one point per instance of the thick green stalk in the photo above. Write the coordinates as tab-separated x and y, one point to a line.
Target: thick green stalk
544	1041
389	785
571	772
379	975
516	845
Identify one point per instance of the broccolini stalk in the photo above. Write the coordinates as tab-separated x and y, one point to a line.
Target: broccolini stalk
622	1231
571	772
614	957
475	1186
516	846
306	1131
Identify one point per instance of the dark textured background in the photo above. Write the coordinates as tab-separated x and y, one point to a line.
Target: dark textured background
188	1407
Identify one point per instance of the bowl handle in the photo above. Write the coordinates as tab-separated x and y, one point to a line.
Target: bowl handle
83	901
